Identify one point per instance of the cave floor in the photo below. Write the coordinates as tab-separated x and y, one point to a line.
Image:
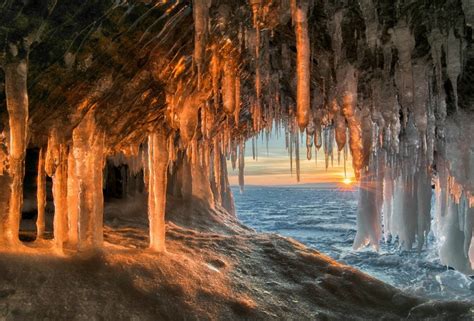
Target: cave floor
204	275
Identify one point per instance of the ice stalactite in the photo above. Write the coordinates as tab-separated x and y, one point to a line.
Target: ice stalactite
454	194
229	76
216	155
241	165
368	213
348	92
256	6
340	128
226	197
215	75
89	161
387	208
17	105
468	8
369	12
41	194
297	156
303	54
405	43
157	167
201	187
201	20
453	62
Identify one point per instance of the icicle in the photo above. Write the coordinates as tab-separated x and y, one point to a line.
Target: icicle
215	71
229	87
405	43
291	151
297	156
388	202
253	148
241	165
158	165
368	214
468	8
41	194
201	17
303	92
217	171
348	78
340	129
237	101
369	12
17	105
256	8
309	146
453	63
336	31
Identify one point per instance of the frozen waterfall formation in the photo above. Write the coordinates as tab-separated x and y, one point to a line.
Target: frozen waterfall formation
169	90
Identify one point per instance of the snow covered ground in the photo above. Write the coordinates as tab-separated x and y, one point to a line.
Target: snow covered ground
325	219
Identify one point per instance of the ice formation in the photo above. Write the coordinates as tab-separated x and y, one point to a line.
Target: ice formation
161	94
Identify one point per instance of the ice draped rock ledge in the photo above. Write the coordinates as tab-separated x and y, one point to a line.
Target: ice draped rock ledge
171	90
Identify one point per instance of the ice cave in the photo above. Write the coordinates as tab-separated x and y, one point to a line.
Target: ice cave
122	120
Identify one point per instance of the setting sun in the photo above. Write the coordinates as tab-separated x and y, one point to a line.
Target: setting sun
347	181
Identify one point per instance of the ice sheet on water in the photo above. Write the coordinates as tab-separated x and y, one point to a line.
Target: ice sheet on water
329	227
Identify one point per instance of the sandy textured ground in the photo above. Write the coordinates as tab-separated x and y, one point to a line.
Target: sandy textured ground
213	270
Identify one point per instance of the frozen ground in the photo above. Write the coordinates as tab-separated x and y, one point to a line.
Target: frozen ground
325	219
214	269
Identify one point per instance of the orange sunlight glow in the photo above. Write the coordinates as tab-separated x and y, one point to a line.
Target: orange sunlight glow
347	181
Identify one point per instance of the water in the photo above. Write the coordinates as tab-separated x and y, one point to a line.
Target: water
325	219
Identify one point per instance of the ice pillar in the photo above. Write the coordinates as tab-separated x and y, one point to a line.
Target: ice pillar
88	154
157	166
17	106
41	194
60	197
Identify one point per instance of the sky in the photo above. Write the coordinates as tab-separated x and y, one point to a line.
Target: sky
273	166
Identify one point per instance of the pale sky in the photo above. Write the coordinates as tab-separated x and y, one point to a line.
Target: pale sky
273	167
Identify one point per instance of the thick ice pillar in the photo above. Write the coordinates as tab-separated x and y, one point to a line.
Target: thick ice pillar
5	181
368	215
17	106
157	166
60	197
41	194
73	201
88	153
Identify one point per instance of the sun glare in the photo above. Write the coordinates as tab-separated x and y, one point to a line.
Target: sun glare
347	181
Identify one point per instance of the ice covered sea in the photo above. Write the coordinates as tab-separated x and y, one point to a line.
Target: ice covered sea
325	219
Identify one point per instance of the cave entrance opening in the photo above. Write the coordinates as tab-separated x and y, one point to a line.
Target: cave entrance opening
30	214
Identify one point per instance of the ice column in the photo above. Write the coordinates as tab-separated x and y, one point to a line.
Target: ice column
17	106
60	193
41	194
88	154
368	215
157	165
